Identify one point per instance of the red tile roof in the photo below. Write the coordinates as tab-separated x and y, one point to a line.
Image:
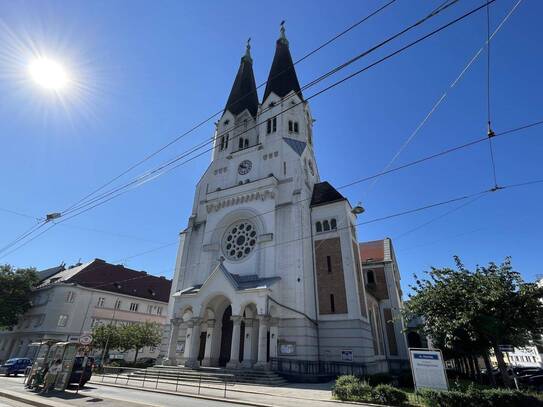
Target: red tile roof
119	279
372	251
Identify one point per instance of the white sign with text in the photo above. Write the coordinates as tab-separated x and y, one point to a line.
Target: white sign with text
428	369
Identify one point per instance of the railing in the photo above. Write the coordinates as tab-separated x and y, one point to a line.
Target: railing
171	380
317	368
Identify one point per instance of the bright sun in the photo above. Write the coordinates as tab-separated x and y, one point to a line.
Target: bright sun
48	74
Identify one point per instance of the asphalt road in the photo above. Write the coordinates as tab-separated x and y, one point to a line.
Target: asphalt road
104	396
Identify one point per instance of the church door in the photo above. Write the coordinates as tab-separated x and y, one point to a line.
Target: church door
201	351
226	337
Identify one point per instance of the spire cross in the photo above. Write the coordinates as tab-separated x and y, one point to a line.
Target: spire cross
282	36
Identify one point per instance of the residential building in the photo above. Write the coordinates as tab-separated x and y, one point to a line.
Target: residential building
269	264
69	302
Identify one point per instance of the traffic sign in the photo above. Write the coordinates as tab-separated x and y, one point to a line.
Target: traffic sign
85	339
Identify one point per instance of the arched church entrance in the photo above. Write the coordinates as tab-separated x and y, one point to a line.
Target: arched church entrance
226	336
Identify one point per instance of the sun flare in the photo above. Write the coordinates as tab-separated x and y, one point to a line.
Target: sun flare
49	74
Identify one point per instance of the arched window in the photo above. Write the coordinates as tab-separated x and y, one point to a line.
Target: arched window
240	143
226	141
222	143
318	227
333	224
370	277
290	126
326	225
246	143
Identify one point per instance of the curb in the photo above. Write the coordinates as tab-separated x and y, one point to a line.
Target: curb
173	393
31	399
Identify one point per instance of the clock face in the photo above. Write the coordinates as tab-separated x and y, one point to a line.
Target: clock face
244	167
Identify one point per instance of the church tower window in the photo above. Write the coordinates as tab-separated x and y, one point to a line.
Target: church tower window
332	304
318	227
290	127
296	130
329	263
268	126
333	224
240	143
326	225
274	124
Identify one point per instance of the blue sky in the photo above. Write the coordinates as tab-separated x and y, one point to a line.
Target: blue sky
147	71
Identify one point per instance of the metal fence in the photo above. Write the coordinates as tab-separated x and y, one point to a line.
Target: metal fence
317	368
172	380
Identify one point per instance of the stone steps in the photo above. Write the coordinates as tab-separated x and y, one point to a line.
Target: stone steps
209	375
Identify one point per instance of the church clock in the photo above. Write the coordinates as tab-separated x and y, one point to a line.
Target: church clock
244	167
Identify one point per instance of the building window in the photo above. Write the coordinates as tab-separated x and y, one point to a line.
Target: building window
101	302
246	143
333	224
159	311
318	227
329	263
332	304
70	296
268	126
226	141
326	225
62	320
118	304
370	276
240	143
134	306
222	144
296	129
290	127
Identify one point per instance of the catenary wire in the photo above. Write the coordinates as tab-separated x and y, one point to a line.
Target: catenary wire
200	124
310	84
164	168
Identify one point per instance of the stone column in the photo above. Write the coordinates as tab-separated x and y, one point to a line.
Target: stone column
234	350
262	363
274	331
172	345
209	342
248	344
194	342
188	337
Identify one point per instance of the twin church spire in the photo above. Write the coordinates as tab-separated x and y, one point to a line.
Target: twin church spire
281	80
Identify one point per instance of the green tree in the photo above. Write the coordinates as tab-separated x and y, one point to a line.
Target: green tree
478	310
137	336
106	337
15	293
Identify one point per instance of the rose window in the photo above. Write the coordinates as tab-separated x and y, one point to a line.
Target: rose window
239	240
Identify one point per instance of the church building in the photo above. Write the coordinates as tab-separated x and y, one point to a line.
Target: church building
269	267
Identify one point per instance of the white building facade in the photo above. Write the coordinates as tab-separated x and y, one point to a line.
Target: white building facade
65	306
269	265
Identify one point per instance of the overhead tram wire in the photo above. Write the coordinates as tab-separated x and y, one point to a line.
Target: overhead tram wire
490	132
360	180
352	75
445	93
201	145
432	205
167	167
200	124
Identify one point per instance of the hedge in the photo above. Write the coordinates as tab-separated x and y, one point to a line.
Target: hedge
479	398
351	388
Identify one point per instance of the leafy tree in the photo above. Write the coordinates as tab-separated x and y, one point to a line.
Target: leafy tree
106	337
15	293
137	336
478	310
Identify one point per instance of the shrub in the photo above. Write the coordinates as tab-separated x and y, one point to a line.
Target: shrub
351	388
386	394
479	398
